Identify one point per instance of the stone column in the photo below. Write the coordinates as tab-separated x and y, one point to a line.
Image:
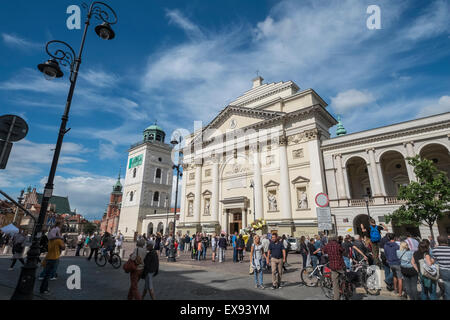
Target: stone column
258	187
244	218
215	192
410	153
285	188
183	214
198	193
340	178
316	164
374	172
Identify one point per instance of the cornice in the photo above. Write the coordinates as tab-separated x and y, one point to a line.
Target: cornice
387	136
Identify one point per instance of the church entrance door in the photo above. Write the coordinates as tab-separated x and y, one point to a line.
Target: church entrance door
236	223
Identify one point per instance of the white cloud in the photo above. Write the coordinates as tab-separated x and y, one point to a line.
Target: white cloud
177	18
88	194
350	99
434	21
99	78
436	107
18	42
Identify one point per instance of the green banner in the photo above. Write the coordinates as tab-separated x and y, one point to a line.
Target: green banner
136	161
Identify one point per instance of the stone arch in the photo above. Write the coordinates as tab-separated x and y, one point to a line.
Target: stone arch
150	229
394	171
399	149
358	177
160	228
439	154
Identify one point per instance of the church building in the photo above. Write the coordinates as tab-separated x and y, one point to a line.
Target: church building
269	153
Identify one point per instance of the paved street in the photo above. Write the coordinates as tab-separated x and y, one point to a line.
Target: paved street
185	279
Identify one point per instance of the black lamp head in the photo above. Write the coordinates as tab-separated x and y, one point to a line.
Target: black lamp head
105	31
51	69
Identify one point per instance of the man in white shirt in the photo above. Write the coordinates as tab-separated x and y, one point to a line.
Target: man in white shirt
265	242
413	244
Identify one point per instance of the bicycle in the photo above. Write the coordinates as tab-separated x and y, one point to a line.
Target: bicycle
104	256
347	285
368	277
318	276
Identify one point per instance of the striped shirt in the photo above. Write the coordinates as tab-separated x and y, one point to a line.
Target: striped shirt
442	256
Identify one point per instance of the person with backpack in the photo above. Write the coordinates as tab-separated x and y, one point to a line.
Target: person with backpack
409	273
390	250
347	245
422	259
375	238
18	246
222	244
240	245
151	268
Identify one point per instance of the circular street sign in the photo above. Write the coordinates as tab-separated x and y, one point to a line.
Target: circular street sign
19	130
322	200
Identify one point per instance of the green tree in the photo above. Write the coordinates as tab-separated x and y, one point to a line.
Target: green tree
89	228
427	200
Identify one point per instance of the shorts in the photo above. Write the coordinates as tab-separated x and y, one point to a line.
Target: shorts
214	249
397	271
149	282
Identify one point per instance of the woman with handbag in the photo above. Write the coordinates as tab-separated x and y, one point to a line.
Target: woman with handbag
410	274
151	268
424	263
136	258
257	256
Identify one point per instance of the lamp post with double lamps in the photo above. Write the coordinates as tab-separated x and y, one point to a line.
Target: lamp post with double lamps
252	185
60	53
177	167
367	199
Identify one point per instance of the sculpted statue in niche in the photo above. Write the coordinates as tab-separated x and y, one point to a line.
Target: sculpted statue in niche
207	206
272	202
303	201
191	208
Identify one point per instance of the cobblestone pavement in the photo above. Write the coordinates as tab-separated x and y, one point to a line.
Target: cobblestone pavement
183	280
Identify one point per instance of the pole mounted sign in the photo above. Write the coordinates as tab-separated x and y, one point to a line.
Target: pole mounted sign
323	210
12	129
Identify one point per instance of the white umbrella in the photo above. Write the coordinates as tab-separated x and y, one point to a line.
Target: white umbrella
10	229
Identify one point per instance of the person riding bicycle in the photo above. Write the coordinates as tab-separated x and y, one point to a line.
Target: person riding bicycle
108	243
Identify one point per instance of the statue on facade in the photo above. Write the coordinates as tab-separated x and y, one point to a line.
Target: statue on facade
207	208
272	202
303	201
191	208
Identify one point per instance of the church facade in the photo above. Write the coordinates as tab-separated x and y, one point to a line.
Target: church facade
269	153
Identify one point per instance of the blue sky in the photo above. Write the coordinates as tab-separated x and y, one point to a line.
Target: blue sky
181	61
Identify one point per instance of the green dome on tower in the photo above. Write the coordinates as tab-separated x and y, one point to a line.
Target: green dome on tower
154	133
118	186
340	128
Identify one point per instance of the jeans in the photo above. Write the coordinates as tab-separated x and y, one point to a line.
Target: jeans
410	285
94	251
221	254
347	262
204	254
53	274
428	293
258	277
199	255
50	268
304	258
445	275
234	254
388	275
314	261
79	246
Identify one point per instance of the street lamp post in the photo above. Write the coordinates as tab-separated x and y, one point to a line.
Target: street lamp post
366	199
66	57
252	185
176	167
167	217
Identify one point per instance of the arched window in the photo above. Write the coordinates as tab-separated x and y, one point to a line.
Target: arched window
156	196
131	196
158	138
158	173
134	172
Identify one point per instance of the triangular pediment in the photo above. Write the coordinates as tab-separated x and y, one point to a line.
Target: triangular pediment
300	179
234	118
190	195
207	193
271	183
